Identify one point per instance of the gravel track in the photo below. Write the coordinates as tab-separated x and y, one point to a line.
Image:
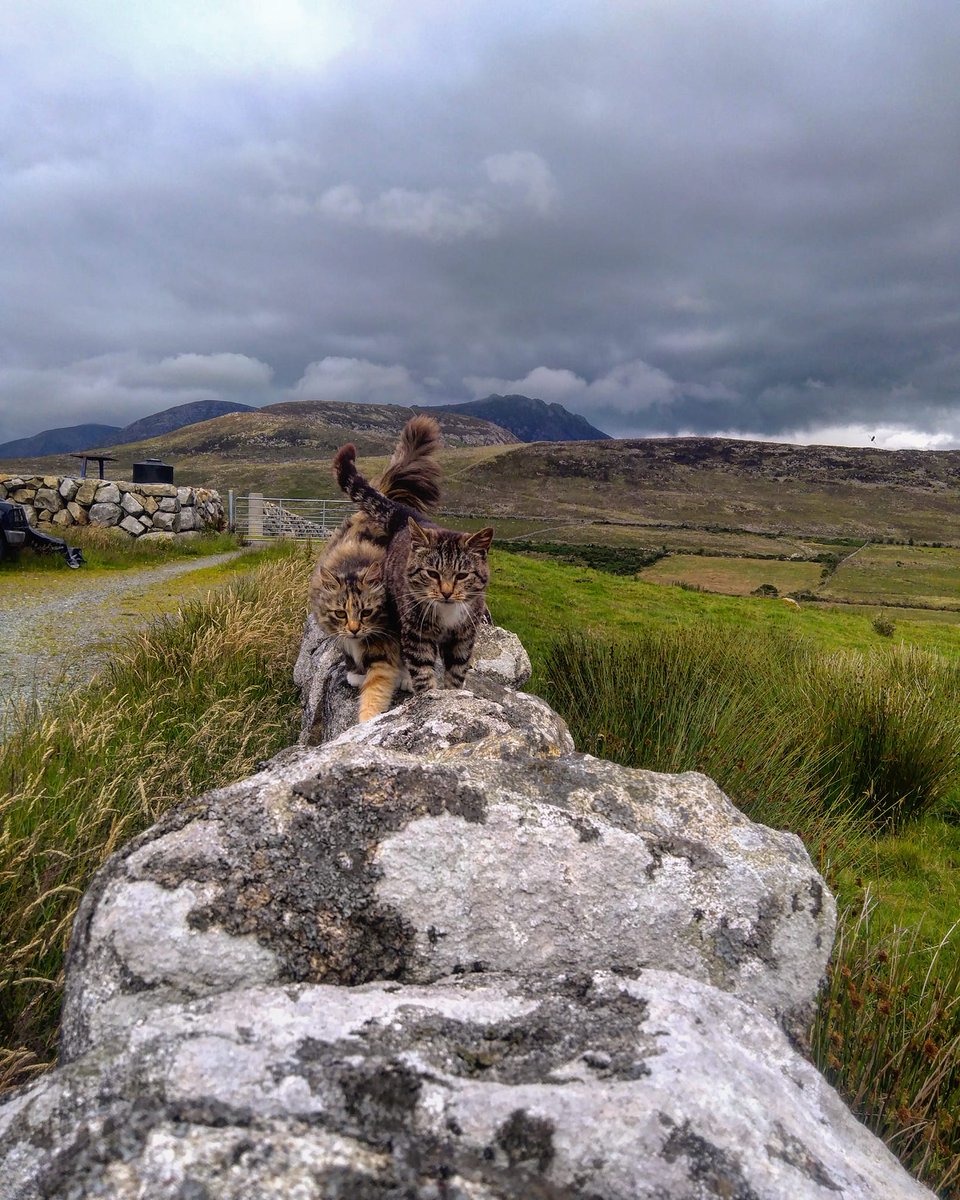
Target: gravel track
58	628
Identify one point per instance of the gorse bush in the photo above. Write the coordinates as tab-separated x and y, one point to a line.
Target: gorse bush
617	560
191	703
884	625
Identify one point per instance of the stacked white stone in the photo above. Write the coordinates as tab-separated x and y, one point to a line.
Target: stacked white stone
152	510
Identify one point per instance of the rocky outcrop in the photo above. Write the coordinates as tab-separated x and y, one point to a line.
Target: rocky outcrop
330	704
151	510
443	955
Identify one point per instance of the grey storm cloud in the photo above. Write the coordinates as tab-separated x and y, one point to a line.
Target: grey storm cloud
674	217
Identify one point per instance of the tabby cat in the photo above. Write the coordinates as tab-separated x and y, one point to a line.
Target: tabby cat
348	596
436	579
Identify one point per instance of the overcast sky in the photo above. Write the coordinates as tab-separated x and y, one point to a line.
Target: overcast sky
673	216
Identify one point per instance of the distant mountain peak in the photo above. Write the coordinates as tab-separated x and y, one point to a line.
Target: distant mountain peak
66	439
63	440
529	418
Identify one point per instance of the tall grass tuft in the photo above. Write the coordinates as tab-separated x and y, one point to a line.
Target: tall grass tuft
885	731
796	737
702	698
887	1035
190	703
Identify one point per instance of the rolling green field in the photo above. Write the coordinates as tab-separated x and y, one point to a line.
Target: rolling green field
899	575
733	576
566	597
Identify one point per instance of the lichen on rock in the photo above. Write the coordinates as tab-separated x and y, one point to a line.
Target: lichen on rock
441	954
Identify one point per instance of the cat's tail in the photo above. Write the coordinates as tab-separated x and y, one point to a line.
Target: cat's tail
413	476
375	504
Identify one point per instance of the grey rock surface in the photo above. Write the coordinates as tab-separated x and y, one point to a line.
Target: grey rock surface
578	1085
443	956
330	703
456	830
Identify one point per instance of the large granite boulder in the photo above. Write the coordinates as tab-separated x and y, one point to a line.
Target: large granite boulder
582	1085
456	832
442	955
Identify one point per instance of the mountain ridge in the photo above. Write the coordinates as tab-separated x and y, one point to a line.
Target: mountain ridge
61	440
68	438
528	417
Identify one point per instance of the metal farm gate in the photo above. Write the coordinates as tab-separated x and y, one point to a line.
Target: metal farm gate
256	516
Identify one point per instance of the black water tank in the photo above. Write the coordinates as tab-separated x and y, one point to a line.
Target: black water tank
152	470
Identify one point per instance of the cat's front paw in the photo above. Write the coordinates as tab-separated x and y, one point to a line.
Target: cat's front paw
355	678
453	681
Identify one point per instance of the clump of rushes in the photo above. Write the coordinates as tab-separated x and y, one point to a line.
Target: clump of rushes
191	703
887	1036
791	734
885	732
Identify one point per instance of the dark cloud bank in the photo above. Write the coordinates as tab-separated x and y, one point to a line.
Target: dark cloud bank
671	217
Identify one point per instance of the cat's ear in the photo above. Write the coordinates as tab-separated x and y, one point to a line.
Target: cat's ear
327	578
373	573
479	542
418	535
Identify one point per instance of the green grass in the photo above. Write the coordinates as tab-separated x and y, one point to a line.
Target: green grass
194	701
538	598
733	576
899	575
791	734
105	550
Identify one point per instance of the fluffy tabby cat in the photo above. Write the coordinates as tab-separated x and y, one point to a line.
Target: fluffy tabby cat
348	595
436	580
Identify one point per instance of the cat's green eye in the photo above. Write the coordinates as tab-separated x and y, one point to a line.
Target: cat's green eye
340	614
431	574
461	576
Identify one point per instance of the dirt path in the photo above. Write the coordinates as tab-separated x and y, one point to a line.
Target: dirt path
58	627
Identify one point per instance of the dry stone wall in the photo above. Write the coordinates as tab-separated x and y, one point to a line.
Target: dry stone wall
443	956
152	510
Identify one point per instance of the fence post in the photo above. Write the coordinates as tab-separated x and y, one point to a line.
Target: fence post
231	514
255	515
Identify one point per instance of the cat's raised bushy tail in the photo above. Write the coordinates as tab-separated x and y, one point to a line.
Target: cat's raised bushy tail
387	512
413	476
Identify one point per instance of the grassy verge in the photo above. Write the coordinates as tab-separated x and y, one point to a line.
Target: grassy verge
193	702
105	549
